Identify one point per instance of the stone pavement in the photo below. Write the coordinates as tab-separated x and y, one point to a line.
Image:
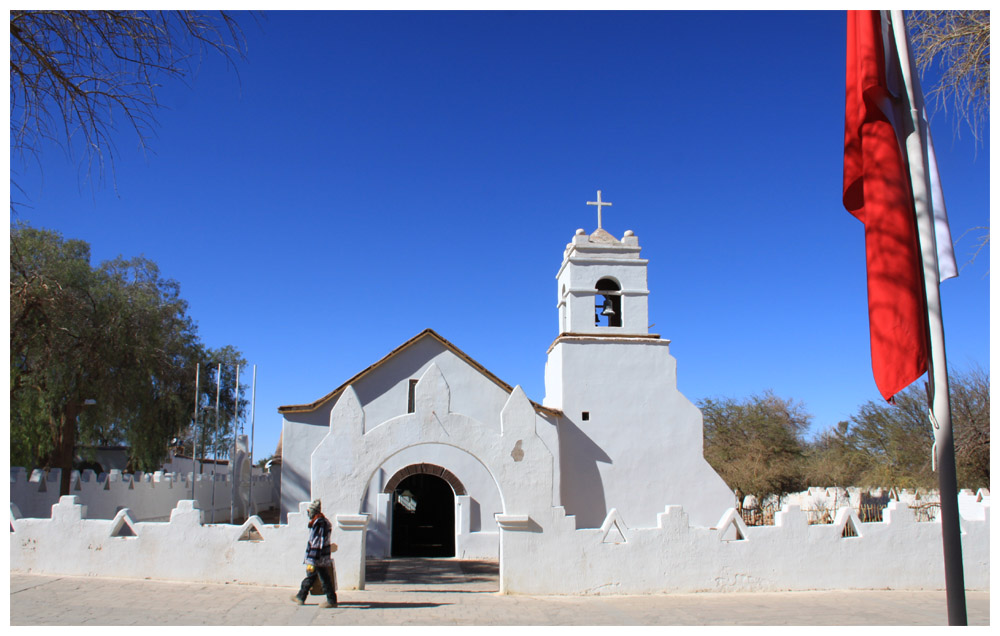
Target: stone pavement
450	592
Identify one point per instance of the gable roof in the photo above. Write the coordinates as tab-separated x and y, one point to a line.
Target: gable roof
426	333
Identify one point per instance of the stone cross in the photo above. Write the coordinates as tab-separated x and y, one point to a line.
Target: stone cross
599	205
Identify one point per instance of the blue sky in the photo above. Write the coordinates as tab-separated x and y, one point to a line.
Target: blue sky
365	176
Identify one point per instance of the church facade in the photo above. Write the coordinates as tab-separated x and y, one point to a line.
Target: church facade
427	453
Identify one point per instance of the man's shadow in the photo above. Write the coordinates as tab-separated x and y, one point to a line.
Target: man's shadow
388	605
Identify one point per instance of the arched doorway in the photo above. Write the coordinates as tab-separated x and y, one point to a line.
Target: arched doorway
423	517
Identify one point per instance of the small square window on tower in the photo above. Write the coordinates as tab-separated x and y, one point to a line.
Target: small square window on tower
585	416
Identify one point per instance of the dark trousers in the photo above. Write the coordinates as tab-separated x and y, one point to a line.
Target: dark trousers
329	587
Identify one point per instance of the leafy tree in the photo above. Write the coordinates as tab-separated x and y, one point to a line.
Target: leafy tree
896	441
970	417
890	446
833	460
100	355
77	74
262	462
756	444
214	434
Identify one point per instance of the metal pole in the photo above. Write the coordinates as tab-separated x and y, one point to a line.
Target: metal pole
215	435
232	455
937	371
194	432
253	397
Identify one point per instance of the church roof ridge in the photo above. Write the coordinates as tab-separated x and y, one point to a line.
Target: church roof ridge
312	406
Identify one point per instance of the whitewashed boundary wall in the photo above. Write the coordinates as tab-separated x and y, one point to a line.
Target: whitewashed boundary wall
896	553
148	496
816	501
183	549
539	553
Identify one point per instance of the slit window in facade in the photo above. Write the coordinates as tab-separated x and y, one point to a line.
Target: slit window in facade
411	399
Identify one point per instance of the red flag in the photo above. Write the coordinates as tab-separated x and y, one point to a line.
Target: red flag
877	191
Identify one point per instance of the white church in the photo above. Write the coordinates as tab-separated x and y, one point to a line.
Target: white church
600	489
424	448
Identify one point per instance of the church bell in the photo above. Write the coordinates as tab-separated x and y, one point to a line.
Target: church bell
608	310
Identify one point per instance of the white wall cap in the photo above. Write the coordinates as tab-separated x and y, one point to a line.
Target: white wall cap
353	522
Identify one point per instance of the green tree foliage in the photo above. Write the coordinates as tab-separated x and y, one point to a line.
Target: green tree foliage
101	355
756	445
832	459
889	446
970	415
895	441
214	435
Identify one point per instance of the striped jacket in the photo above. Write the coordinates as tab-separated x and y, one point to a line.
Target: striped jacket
318	547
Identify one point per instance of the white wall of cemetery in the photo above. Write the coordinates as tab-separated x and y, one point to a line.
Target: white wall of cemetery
148	496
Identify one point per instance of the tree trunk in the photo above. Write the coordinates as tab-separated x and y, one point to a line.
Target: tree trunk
66	446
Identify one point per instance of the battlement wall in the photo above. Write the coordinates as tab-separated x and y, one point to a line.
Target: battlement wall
148	496
545	554
540	552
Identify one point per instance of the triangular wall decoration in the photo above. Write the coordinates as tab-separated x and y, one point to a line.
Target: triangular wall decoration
250	532
847	523
613	529
122	526
732	532
614	535
731	527
850	530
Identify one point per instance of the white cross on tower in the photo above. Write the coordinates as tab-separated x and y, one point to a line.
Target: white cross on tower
599	205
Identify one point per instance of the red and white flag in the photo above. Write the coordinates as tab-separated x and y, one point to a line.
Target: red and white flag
879	191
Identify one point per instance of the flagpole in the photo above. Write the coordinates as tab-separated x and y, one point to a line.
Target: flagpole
194	432
215	436
944	445
232	456
253	397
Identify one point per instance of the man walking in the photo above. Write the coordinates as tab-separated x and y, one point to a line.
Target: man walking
318	561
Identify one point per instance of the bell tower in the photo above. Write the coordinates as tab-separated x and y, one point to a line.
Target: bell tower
602	286
628	439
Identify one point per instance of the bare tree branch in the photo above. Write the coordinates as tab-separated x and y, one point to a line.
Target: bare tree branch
961	39
74	75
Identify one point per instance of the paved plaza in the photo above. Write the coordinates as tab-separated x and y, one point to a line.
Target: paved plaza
451	592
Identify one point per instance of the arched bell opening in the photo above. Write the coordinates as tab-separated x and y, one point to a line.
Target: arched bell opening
608	309
423	517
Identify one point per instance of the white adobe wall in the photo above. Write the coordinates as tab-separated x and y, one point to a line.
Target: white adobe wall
149	496
641	449
299	438
897	553
541	552
184	549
